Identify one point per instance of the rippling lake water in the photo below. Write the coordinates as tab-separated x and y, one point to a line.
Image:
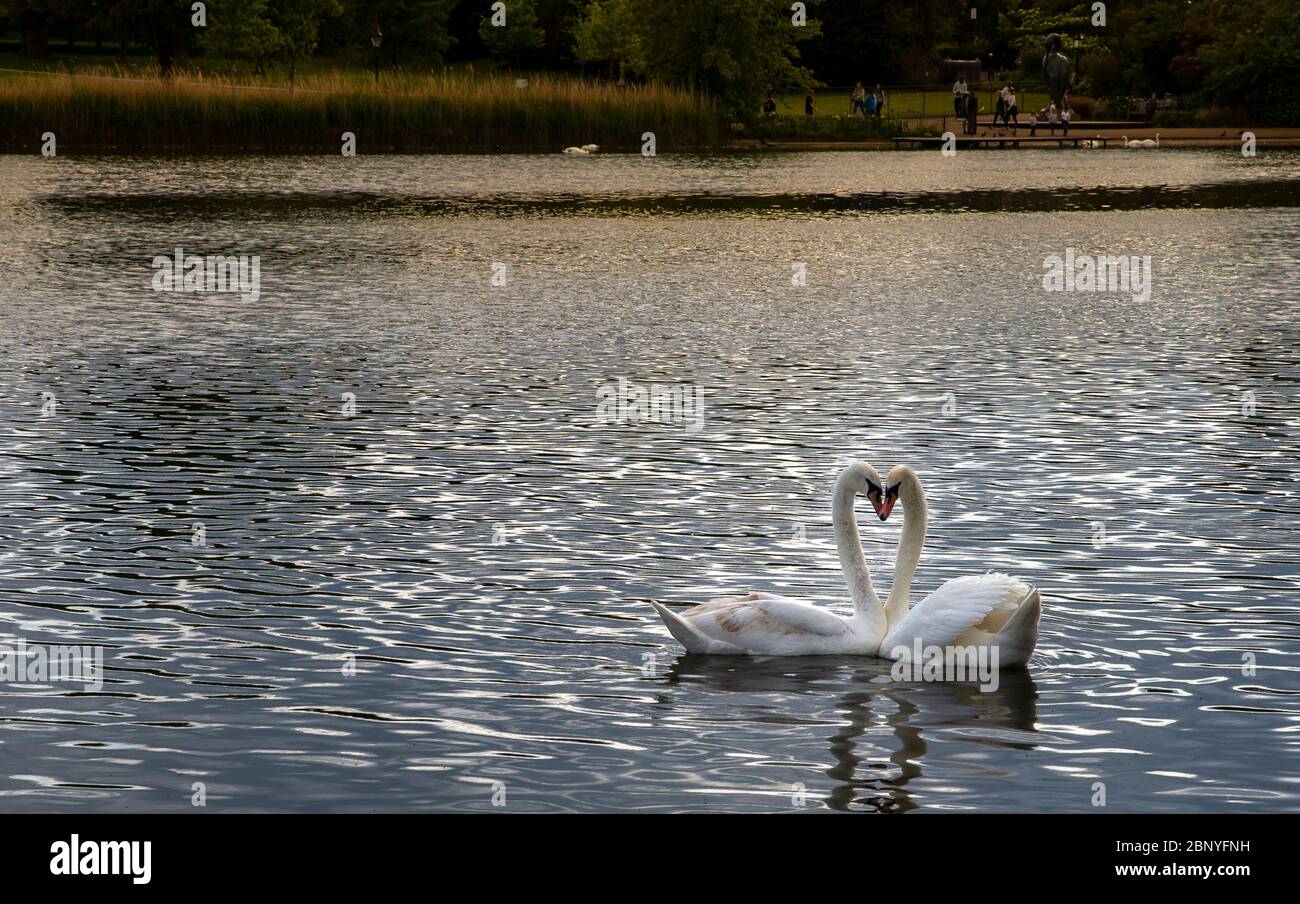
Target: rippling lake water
391	458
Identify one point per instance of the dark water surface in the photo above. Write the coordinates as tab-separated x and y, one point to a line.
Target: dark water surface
486	547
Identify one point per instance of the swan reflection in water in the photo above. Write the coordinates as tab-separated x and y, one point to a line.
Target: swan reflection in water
868	701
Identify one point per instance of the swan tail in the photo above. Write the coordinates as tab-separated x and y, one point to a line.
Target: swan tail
1019	636
689	636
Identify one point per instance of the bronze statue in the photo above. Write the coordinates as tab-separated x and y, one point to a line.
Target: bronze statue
1056	70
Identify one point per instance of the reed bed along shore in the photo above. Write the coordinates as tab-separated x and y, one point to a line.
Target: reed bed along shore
453	111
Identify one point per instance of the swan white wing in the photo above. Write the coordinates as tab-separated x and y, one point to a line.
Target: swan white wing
731	618
959	605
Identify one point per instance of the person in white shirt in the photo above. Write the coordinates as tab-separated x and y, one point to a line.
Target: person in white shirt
1065	121
959	91
1053	117
1012	112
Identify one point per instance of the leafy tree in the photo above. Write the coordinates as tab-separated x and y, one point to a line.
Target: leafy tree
1027	29
242	29
34	18
736	50
607	33
298	25
1148	35
557	18
413	29
853	44
520	33
164	25
1253	60
916	30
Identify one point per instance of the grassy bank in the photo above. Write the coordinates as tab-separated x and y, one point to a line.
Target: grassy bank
908	103
841	127
405	112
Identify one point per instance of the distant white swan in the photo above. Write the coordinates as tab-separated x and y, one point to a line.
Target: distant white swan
591	148
980	610
575	152
1135	144
766	624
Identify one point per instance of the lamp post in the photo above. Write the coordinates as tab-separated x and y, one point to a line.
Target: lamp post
375	40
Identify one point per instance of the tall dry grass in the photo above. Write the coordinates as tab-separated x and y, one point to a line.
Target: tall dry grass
406	111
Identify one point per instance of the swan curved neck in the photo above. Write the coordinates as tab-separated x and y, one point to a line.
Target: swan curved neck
849	545
910	545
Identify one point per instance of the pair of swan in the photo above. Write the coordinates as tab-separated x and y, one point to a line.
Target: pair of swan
993	610
584	151
1135	144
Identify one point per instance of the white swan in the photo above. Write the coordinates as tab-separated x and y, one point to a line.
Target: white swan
765	624
1136	145
993	610
591	148
575	152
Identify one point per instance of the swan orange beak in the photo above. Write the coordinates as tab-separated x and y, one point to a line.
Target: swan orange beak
891	496
873	496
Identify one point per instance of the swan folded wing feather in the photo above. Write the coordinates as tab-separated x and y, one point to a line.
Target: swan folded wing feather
960	604
763	613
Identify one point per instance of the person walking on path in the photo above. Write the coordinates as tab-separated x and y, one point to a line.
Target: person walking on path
1012	113
959	92
858	100
810	102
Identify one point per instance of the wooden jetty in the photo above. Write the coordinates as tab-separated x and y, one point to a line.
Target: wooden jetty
1003	141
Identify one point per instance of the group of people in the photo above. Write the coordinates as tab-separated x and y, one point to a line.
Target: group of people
966	105
1053	117
870	103
1006	108
1154	103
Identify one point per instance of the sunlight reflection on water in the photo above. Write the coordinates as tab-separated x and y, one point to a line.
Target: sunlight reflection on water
522	661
